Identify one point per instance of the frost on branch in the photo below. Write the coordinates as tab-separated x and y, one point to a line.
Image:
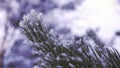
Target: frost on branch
52	52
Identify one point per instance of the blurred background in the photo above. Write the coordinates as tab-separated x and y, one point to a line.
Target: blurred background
97	19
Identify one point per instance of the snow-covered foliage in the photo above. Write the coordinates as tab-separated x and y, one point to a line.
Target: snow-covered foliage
51	52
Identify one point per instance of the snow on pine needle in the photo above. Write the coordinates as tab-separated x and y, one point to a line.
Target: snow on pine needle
52	52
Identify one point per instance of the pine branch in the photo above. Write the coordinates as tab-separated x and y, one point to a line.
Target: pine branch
50	52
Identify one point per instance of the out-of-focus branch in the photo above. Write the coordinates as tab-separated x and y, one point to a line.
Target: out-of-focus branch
2	48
